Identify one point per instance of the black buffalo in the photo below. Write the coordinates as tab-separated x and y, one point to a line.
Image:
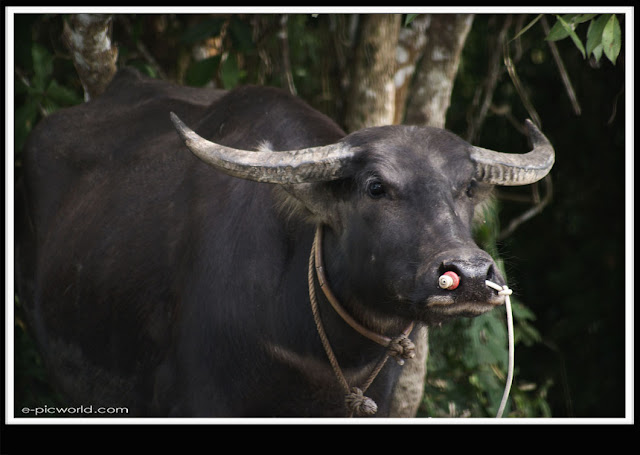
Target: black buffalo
178	284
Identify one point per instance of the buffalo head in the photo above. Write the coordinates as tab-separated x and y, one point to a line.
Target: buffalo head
399	203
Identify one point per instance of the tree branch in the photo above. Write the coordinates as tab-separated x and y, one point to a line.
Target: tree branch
540	204
563	71
511	69
283	35
142	49
478	111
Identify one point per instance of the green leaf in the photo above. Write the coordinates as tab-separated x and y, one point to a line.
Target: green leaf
62	96
42	66
559	30
409	19
594	33
230	72
527	27
26	115
241	35
48	106
201	31
566	25
526	334
569	29
25	118
569	18
597	52
611	39
580	18
142	66
203	71
521	312
19	86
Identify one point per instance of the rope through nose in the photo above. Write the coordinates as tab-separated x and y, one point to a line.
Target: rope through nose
506	292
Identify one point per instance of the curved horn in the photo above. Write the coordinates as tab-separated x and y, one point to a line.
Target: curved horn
512	169
295	166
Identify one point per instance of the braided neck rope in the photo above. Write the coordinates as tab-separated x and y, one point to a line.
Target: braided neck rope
400	347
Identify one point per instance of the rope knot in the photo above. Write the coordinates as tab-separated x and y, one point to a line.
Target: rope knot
505	291
359	404
402	348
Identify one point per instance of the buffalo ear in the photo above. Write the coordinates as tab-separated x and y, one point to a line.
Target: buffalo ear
313	202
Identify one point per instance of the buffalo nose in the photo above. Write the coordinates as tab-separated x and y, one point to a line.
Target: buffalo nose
469	274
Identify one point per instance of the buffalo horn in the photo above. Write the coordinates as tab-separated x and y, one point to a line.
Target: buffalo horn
515	169
295	166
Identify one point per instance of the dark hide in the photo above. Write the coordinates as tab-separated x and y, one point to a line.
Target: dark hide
155	282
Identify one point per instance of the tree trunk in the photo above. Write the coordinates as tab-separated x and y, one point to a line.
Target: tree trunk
431	90
438	41
410	388
88	37
386	58
372	93
411	43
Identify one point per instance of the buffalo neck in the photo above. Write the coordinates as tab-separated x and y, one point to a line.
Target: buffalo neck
349	336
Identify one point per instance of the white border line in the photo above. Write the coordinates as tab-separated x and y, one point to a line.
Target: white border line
9	210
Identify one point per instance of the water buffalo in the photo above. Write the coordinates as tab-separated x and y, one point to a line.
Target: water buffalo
169	270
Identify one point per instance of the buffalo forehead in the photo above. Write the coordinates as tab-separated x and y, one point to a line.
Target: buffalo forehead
422	152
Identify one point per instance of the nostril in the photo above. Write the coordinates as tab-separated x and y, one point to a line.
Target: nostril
491	273
451	266
470	272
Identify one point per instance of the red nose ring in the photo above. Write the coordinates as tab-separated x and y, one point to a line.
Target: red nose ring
449	280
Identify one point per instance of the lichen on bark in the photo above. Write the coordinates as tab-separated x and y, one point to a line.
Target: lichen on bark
372	94
88	38
433	82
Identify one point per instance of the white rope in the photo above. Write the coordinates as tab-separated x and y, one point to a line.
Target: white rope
504	290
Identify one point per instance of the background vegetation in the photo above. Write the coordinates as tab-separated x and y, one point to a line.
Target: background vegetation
566	263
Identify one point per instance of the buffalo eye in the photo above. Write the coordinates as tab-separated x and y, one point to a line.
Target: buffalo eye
376	189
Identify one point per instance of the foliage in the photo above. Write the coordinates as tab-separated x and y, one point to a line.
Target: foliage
32	384
466	377
409	18
38	91
543	384
467	361
603	34
568	242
